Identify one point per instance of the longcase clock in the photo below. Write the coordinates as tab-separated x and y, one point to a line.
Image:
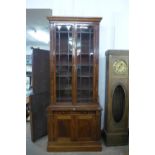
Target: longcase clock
116	131
74	113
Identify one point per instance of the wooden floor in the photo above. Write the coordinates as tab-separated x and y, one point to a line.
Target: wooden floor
39	147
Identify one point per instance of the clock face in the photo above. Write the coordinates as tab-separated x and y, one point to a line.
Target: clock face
120	67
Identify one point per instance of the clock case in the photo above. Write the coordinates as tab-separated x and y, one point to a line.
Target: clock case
116	129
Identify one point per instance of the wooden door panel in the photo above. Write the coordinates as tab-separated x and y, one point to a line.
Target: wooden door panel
38	115
40	71
63	127
85	127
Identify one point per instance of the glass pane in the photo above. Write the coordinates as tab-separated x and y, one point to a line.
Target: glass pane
85	54
63	63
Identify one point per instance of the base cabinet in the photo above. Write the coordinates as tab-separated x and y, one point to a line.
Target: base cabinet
74	130
115	139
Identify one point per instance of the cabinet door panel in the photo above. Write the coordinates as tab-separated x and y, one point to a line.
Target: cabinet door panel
64	42
40	71
63	127
85	127
85	57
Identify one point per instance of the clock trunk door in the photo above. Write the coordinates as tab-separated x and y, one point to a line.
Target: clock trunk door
118	103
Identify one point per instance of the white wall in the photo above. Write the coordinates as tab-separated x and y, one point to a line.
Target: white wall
113	28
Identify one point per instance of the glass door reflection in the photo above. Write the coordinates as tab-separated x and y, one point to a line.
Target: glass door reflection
85	54
64	63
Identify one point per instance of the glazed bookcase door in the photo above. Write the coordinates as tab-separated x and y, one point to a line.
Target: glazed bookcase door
74	56
85	57
63	46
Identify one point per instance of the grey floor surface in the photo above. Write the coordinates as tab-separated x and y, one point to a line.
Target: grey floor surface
39	147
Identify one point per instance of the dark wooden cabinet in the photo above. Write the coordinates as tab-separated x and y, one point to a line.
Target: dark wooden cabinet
40	95
116	131
74	113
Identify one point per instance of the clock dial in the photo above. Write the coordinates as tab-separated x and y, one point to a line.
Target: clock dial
120	67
